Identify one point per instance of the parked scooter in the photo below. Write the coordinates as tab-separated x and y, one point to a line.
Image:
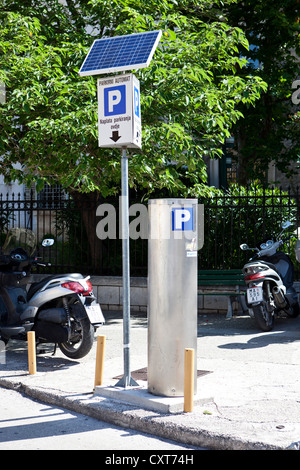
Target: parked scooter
269	281
61	309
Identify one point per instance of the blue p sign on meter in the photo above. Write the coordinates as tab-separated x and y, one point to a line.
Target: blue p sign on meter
119	112
182	219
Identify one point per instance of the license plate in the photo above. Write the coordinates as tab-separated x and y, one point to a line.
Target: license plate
254	294
95	314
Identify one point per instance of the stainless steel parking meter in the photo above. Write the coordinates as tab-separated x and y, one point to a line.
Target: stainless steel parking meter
172	292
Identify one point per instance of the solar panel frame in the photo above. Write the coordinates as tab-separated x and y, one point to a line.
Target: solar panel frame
120	53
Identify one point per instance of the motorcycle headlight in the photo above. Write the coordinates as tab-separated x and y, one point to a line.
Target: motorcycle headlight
266	245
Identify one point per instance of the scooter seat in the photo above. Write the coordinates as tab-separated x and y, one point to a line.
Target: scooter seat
38	285
272	266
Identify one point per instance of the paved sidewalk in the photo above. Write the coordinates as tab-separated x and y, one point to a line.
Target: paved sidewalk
253	382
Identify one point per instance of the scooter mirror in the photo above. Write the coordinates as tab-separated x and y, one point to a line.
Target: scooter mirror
48	242
244	247
286	224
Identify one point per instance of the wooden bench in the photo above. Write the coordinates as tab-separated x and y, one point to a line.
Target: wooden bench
229	283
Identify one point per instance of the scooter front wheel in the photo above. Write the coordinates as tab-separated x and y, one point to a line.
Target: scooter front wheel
81	341
264	319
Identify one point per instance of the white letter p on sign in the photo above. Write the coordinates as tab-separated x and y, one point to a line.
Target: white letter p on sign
114	98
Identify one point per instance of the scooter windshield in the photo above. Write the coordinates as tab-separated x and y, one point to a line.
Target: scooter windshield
20	238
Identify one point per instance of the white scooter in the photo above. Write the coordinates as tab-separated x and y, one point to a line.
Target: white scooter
269	282
61	309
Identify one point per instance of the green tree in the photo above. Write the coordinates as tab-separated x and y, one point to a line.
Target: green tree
190	92
271	129
190	95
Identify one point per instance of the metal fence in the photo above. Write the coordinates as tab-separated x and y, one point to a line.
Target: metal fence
246	216
73	226
235	217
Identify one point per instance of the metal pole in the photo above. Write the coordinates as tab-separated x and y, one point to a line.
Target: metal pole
126	380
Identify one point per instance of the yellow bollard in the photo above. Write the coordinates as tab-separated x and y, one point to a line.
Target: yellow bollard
188	380
100	360
31	352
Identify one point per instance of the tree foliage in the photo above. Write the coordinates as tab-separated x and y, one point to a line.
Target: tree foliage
190	92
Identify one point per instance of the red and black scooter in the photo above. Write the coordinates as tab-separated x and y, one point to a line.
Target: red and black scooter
269	277
61	309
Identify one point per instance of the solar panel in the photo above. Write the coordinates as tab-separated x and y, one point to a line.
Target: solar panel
128	52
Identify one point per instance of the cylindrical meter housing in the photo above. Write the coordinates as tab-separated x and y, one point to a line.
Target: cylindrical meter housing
172	293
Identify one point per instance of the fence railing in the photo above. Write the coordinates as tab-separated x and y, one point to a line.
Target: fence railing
245	216
231	218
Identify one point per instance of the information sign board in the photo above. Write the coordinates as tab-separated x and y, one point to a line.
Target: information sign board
119	111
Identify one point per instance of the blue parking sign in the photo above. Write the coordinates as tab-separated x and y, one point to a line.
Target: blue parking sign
119	112
115	100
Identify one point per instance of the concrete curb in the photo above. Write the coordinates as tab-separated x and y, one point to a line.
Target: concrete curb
125	415
254	381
